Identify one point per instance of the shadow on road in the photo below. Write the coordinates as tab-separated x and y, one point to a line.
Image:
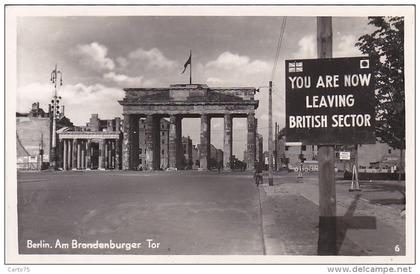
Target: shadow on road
338	226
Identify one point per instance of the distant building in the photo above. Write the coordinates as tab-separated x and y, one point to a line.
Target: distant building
96	124
216	157
33	136
35	112
164	143
187	151
295	152
280	147
213	155
195	157
378	155
265	157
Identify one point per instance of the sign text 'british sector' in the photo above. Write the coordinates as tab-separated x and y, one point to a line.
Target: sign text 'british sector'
330	101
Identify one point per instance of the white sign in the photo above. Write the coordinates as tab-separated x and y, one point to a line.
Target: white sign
344	155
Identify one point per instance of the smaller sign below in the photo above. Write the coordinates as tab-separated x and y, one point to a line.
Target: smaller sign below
344	155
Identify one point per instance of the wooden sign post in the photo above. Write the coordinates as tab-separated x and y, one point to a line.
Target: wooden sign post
326	161
329	101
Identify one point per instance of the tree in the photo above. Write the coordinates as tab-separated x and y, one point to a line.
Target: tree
386	47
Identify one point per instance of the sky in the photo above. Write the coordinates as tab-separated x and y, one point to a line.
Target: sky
99	56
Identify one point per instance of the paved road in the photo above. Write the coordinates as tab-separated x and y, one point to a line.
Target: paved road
201	213
187	212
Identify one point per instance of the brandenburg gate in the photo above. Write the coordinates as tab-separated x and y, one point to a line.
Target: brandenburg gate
184	101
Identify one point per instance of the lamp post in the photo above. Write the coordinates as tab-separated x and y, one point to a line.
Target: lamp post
270	134
55	111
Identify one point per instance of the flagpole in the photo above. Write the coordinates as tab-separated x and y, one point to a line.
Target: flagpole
190	67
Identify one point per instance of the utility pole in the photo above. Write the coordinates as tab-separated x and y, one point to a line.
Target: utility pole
270	133
326	160
275	146
55	112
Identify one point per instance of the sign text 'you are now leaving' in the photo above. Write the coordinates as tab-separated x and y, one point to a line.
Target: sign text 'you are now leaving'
330	101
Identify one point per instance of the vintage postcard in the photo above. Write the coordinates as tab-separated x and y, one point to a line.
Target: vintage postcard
209	134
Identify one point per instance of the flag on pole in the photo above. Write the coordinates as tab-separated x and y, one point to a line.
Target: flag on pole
187	63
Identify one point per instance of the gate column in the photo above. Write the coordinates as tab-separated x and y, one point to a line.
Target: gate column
180	147
130	145
69	166
88	155
74	154
64	154
227	142
106	154
83	154
79	150
135	120
148	130
152	130
156	142
172	155
101	154
112	154
251	142
117	154
204	142
126	144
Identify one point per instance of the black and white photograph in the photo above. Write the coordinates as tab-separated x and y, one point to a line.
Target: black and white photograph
136	134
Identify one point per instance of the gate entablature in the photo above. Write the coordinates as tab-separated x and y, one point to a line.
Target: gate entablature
190	100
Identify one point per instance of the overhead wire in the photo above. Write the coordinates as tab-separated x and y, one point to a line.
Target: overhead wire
279	43
276	59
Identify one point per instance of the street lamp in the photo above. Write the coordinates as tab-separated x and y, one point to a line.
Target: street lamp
55	112
270	134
